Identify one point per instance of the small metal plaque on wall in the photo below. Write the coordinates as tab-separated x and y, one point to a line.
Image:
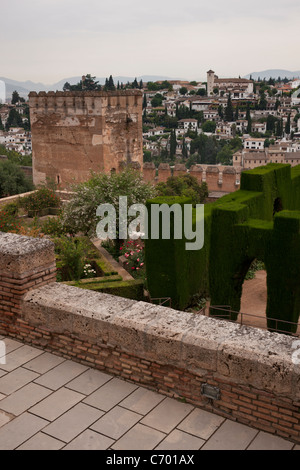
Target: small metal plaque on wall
210	391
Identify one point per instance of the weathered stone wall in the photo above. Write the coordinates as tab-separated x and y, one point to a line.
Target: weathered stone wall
172	352
220	178
76	132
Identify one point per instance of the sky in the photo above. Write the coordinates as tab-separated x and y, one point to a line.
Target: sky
49	40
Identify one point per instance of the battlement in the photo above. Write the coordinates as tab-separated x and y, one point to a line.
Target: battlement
219	178
83	102
76	132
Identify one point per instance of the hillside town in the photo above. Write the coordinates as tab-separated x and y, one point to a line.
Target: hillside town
15	132
225	121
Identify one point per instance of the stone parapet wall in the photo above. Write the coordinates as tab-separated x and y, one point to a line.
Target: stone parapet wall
173	352
25	263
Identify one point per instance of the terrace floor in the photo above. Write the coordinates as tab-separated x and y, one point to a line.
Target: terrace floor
51	403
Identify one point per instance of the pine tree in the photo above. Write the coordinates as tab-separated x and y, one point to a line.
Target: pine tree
229	110
15	97
14	119
263	101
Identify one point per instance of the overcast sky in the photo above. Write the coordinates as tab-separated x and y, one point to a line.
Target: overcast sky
48	40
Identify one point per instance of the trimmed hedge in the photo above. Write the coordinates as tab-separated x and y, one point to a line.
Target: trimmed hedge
129	289
259	221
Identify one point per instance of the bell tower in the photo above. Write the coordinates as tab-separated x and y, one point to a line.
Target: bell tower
210	82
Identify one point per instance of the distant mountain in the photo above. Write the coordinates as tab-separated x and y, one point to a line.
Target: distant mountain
23	88
274	73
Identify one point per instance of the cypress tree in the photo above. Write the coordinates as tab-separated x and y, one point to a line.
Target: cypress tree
248	118
173	144
288	125
111	85
229	110
144	102
220	111
236	116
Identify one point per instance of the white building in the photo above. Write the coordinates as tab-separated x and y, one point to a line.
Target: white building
254	144
188	124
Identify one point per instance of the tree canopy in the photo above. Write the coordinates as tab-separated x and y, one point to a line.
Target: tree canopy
12	179
87	83
185	185
80	212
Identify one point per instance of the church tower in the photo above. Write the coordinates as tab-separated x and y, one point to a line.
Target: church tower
210	82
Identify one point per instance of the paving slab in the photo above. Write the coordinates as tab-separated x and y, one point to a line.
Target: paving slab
42	441
266	441
4	418
231	436
23	399
179	440
167	415
56	404
19	430
201	423
20	356
90	440
73	422
110	394
142	401
139	437
2	396
12	344
2	372
61	375
89	381
16	379
44	363
116	422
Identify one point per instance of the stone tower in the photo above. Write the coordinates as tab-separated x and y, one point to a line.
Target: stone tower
74	133
210	82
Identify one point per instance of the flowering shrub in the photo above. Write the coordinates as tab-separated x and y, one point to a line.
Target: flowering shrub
43	198
53	226
133	251
88	271
8	222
